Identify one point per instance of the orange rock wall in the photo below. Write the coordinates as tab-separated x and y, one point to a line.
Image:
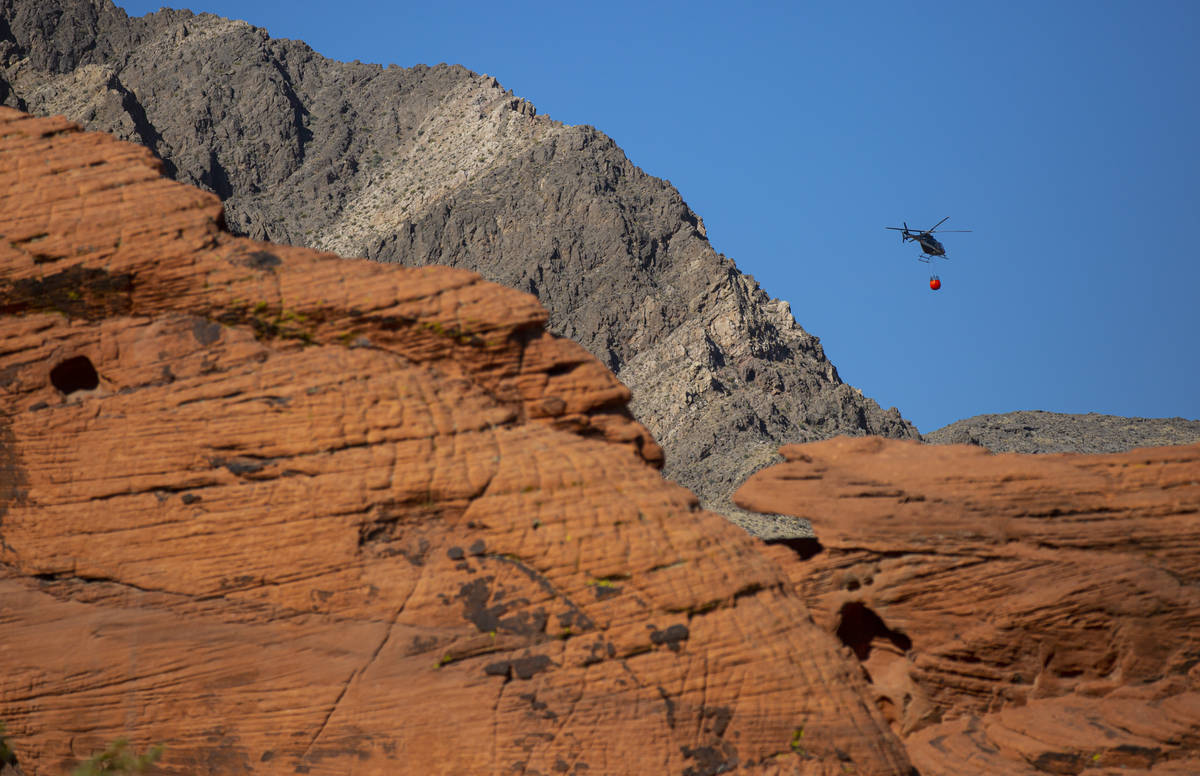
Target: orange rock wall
1014	613
286	513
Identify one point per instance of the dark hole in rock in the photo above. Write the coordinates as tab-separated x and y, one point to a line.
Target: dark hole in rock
805	547
858	626
75	374
560	369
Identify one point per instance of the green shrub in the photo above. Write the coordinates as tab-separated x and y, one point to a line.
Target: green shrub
7	756
118	759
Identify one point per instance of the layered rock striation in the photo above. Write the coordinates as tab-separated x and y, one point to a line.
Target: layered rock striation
1015	614
443	166
286	513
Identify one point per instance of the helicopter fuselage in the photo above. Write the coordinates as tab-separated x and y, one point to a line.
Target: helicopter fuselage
928	242
931	246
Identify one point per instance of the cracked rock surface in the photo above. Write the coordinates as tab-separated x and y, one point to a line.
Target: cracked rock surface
439	165
1014	614
288	513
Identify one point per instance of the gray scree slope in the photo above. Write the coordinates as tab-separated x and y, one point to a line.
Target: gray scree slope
1036	431
439	165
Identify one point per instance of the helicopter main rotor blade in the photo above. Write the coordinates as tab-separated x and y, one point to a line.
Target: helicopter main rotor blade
944	231
939	223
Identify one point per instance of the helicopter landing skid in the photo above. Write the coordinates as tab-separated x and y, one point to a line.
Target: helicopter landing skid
925	258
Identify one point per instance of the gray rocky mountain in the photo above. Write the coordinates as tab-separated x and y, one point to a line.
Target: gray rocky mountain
440	165
1036	431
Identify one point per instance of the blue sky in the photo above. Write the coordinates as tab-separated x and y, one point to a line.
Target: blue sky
1065	134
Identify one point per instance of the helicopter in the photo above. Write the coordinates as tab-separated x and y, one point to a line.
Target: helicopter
930	246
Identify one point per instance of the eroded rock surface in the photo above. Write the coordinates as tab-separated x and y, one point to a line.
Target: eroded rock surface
1015	614
439	165
286	513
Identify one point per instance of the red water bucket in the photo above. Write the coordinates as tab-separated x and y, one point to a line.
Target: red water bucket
934	283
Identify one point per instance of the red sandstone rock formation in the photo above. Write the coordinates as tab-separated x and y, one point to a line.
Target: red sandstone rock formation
1016	614
286	513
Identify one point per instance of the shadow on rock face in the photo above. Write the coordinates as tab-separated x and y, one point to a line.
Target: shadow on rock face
859	626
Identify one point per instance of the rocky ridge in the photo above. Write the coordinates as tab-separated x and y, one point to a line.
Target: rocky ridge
1014	614
442	166
288	513
1056	432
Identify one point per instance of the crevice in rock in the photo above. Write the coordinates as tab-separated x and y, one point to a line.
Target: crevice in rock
806	546
300	114
148	135
859	627
87	579
216	178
